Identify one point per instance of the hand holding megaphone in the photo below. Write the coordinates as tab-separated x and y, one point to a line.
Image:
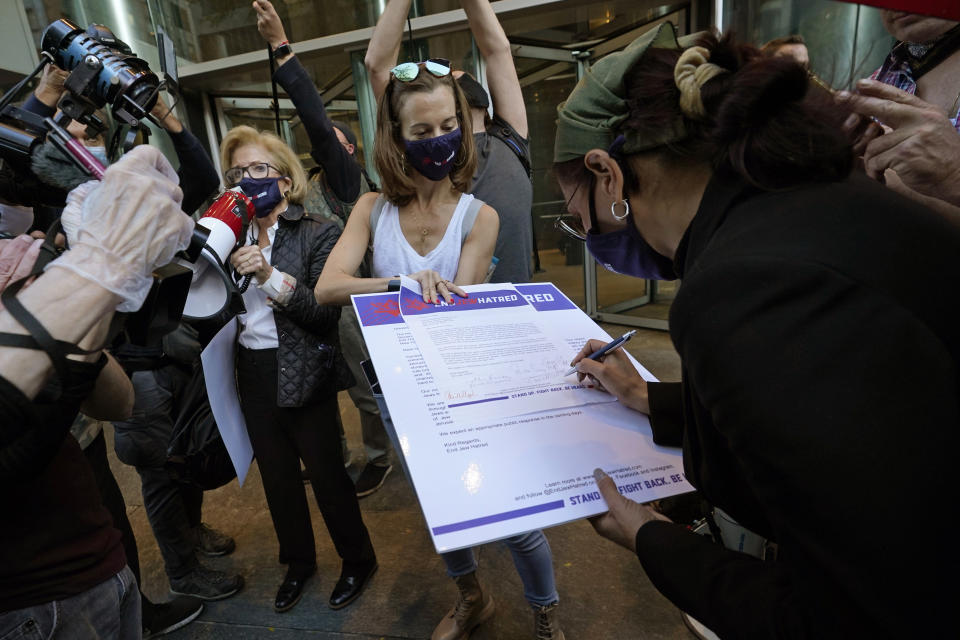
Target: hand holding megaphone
249	260
226	221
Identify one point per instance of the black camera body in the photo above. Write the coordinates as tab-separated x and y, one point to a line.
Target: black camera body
103	72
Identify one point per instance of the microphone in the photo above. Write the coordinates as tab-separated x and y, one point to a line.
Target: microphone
34	163
50	165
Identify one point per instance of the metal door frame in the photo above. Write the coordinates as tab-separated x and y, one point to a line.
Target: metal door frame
615	313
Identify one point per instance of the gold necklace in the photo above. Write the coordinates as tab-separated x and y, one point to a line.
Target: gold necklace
424	231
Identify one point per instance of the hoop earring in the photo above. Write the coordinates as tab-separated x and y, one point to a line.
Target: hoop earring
626	210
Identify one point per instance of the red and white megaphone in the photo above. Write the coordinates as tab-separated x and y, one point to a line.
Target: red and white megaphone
226	220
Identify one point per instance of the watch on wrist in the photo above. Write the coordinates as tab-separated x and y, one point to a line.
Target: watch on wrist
283	50
393	285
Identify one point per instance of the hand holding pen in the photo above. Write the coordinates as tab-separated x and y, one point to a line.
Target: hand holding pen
615	374
602	351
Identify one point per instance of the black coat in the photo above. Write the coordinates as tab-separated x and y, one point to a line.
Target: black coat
310	366
817	330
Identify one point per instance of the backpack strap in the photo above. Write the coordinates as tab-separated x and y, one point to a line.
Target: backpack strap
378	205
509	138
469	217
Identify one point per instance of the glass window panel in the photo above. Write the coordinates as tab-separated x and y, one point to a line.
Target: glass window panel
130	20
568	26
846	41
561	258
209	29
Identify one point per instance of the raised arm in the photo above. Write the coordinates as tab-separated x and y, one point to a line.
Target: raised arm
385	45
502	77
477	250
341	168
198	177
338	280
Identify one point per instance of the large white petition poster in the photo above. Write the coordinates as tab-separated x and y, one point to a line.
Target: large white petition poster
484	478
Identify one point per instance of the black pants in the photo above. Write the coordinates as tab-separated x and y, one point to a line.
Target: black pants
281	438
173	508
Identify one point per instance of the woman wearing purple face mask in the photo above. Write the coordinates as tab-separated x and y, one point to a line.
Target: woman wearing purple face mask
808	373
289	367
426	226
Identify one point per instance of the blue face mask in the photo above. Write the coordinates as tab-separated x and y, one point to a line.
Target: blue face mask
100	153
433	157
626	252
263	192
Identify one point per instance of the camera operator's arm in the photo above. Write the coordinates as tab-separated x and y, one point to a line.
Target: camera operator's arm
198	176
118	230
384	47
43	101
112	396
341	169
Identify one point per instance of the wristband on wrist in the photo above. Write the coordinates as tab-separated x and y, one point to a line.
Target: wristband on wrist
393	285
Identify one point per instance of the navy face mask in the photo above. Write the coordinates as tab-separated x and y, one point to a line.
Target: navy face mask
626	252
264	192
433	157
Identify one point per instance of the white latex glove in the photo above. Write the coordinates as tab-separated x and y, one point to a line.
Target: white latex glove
121	229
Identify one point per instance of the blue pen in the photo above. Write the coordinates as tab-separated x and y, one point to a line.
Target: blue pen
605	349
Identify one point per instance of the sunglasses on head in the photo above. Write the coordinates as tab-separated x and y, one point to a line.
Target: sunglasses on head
408	71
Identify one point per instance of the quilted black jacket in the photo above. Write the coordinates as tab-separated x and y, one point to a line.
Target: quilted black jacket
310	366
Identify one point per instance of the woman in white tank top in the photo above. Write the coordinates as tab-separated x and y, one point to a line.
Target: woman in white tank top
425	156
422	228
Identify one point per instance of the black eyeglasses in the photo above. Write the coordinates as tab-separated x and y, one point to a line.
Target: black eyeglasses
569	224
256	171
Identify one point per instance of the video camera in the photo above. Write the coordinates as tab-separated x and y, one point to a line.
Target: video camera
103	72
40	162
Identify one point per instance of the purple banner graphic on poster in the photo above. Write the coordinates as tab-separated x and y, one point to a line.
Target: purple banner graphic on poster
412	304
545	297
379	310
497	517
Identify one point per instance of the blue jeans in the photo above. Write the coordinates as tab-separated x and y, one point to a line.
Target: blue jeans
531	556
108	611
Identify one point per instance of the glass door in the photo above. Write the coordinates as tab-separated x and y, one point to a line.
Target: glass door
547	80
612	297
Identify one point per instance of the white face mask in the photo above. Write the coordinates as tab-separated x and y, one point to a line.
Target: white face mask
15	220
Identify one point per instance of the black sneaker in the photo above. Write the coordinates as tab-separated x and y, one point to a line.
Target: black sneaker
165	617
207	584
213	543
371	479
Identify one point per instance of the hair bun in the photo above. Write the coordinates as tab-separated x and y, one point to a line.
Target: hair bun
691	72
757	93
